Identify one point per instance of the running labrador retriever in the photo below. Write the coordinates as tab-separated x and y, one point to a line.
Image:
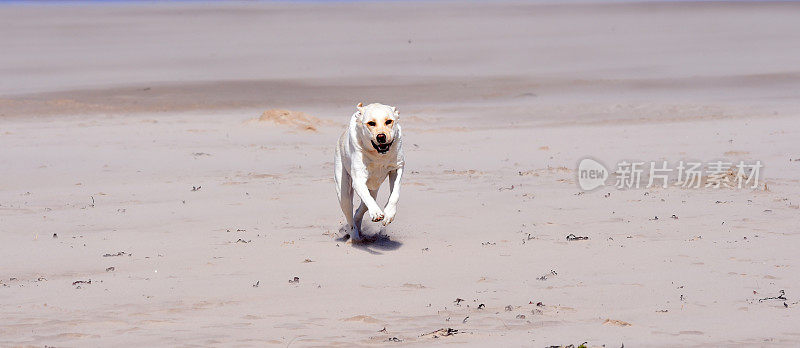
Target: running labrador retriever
370	150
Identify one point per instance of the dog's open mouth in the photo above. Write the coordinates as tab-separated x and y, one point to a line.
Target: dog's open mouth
382	148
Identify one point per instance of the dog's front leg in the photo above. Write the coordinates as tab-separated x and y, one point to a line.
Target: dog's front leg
394	187
374	210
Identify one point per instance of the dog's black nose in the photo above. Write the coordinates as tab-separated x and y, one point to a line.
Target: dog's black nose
381	138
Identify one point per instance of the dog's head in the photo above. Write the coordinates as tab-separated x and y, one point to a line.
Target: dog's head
377	124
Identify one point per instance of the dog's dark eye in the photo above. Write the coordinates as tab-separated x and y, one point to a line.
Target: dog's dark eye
371	123
388	122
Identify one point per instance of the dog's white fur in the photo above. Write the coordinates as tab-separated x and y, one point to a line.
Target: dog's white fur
359	165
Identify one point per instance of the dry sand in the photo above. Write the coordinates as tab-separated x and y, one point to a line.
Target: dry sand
142	203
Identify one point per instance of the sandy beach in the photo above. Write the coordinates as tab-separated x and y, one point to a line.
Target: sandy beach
144	201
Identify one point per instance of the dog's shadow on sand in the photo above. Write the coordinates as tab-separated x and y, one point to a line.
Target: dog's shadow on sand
372	243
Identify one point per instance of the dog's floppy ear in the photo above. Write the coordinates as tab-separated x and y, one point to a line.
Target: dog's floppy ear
396	112
360	108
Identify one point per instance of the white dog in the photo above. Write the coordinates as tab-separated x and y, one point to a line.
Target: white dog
369	150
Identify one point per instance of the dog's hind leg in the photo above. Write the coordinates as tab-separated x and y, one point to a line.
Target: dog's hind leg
344	191
357	219
360	213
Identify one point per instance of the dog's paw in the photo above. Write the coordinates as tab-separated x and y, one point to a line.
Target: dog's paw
388	216
376	215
